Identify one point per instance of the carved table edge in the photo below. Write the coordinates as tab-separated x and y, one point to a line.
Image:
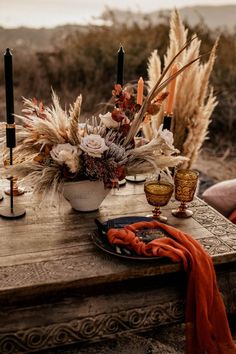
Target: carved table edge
91	329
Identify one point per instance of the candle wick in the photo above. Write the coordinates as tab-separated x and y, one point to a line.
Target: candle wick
8	52
121	49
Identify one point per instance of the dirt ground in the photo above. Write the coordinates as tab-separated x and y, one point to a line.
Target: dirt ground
216	167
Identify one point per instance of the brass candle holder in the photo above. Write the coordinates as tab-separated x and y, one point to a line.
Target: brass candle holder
16	190
185	186
158	194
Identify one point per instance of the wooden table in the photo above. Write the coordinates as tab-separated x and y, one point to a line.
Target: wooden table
57	287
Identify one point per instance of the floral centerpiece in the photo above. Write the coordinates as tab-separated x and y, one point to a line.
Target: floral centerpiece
54	146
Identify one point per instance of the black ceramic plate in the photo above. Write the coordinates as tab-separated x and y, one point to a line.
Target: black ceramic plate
99	237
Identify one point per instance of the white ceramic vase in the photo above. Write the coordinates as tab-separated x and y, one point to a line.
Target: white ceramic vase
85	195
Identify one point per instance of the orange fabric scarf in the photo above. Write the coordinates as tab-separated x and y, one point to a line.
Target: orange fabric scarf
207	329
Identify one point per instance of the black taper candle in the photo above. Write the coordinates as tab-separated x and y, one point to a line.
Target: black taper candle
10	136
10	127
120	66
9	86
167	121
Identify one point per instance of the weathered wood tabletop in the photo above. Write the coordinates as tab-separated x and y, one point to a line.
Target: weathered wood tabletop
57	287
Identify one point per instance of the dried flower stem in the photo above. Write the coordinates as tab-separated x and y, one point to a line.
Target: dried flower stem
74	121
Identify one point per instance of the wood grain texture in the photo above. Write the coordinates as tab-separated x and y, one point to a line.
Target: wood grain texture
57	288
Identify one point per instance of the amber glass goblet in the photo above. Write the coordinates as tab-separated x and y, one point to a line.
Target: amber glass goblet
158	194
185	187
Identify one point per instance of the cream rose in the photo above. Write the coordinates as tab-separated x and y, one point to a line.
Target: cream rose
94	145
108	121
168	138
66	154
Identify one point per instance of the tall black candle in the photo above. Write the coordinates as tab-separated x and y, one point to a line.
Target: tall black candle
167	121
10	127
120	66
9	86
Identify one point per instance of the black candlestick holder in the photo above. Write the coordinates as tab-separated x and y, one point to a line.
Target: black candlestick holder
12	211
136	178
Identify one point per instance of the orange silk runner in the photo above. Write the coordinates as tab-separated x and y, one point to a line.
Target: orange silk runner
207	329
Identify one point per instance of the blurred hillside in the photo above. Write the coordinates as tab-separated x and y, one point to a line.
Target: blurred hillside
216	17
33	39
82	59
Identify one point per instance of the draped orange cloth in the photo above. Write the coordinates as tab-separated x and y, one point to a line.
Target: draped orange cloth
207	329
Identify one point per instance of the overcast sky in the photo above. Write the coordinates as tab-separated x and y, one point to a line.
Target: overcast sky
49	13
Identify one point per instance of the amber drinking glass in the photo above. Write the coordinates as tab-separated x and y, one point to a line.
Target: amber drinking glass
158	194
185	187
